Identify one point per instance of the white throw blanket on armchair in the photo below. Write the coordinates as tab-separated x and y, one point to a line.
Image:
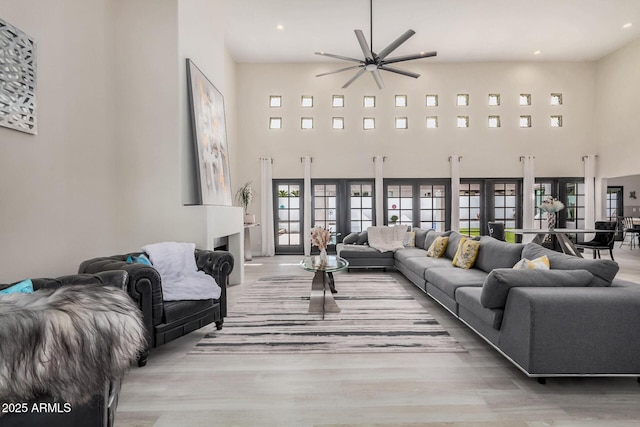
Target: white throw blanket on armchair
180	277
386	239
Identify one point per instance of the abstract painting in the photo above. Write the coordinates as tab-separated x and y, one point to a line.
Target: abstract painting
210	138
17	79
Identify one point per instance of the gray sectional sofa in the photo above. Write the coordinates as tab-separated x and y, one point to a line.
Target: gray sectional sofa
575	319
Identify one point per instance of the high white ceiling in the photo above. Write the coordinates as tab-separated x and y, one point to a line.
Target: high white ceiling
460	30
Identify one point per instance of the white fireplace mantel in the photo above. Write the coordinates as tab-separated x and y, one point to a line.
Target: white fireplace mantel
228	221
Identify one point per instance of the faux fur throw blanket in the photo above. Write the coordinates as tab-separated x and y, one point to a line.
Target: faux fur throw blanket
66	343
386	239
181	280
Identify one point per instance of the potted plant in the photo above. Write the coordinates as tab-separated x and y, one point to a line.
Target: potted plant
244	197
393	219
283	193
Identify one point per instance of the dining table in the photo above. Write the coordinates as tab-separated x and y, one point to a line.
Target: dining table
562	236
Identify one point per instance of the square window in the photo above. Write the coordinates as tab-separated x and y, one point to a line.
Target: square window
369	101
275	101
402	123
307	101
463	121
494	99
432	122
368	123
338	123
432	100
401	100
494	121
337	101
275	123
556	99
525	121
306	123
525	99
462	100
556	121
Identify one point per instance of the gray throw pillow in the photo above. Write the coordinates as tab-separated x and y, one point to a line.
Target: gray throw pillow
603	270
498	283
363	238
420	236
351	239
494	254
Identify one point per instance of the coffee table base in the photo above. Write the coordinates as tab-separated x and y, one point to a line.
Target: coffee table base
321	299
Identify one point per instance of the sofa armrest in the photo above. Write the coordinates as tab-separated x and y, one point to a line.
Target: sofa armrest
218	264
119	279
580	331
144	287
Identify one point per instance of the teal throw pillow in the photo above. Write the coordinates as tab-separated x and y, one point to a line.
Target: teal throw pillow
24	287
141	259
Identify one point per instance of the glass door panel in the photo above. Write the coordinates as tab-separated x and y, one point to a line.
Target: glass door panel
288	201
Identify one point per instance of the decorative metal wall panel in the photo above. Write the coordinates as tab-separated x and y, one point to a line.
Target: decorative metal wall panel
17	79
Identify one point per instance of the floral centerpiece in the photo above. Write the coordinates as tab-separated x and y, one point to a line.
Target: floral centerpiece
551	206
321	237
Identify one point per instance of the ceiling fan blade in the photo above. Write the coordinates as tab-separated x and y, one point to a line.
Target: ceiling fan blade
366	50
346	58
352	79
378	78
409	57
394	45
338	71
398	71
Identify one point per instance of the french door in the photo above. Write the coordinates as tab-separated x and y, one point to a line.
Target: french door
287	199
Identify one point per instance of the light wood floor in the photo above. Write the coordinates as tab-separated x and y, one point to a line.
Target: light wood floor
478	388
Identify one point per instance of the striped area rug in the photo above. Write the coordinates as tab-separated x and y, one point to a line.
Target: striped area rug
377	315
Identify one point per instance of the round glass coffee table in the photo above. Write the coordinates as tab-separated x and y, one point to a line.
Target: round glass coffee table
321	301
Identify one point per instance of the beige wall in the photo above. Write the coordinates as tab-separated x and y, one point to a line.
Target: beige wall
58	188
617	108
110	169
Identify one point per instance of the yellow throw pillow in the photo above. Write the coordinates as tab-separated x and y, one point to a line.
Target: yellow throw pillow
541	263
467	253
437	248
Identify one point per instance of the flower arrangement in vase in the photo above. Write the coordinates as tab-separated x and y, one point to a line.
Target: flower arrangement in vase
321	237
551	206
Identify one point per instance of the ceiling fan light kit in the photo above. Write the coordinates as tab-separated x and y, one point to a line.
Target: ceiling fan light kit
374	62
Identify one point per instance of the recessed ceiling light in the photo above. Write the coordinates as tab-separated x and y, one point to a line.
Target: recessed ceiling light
627	25
280	27
537	52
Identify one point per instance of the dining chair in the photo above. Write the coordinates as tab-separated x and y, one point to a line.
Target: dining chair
496	230
629	230
602	240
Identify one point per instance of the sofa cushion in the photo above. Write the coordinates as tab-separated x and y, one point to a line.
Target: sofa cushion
498	283
450	279
603	270
363	238
177	310
541	263
469	298
420	265
497	254
466	254
403	255
431	236
438	247
452	247
363	251
351	238
421	234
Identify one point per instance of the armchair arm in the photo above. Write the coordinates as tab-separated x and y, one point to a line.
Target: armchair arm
119	279
218	264
144	287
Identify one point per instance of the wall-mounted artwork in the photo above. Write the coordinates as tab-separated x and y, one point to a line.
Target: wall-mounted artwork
209	137
17	79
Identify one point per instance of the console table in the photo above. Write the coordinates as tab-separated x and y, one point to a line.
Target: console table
248	256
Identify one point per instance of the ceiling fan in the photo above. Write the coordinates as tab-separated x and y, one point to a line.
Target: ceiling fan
374	62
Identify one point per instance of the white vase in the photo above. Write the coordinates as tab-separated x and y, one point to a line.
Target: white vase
249	219
323	256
